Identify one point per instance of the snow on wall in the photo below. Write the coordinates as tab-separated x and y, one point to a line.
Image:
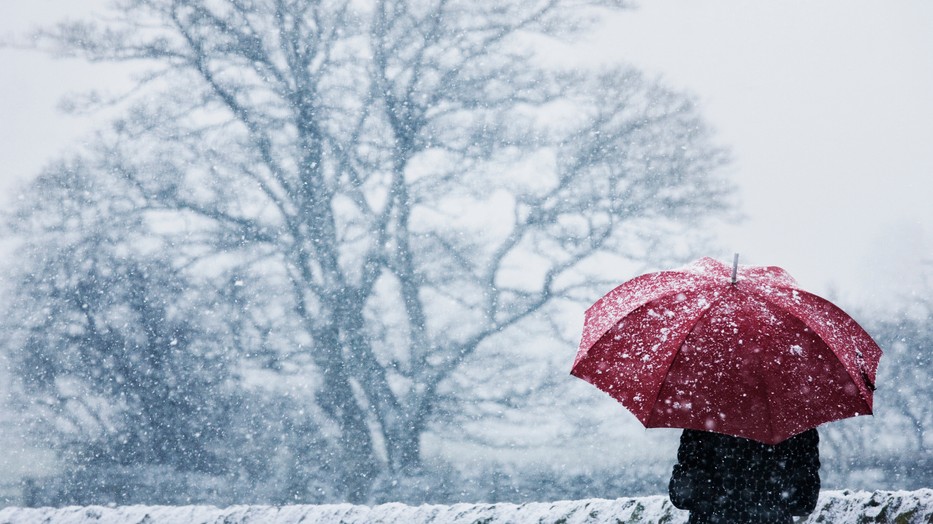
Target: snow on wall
902	507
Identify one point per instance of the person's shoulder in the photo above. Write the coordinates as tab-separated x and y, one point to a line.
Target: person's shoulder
808	438
695	435
808	435
811	435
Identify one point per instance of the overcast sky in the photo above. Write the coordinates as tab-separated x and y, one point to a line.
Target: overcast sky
825	105
828	109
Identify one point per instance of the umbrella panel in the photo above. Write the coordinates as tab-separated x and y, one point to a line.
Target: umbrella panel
629	366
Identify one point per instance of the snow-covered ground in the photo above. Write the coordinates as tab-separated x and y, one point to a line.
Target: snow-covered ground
903	507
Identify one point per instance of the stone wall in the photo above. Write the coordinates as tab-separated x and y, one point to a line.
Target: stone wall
900	507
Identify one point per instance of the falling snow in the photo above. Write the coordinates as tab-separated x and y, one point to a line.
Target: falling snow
296	266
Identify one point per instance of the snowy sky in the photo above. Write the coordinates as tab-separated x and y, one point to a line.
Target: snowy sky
825	105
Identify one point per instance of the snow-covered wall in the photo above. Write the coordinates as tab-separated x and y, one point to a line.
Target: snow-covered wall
901	507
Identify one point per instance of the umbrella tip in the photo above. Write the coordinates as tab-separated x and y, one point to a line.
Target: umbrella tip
735	267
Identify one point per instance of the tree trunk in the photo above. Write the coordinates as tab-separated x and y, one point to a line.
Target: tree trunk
354	458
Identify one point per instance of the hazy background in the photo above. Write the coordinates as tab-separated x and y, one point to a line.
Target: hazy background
825	105
828	110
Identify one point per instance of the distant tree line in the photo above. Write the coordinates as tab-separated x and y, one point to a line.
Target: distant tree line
895	446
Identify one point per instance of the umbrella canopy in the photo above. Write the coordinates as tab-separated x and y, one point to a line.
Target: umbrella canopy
741	351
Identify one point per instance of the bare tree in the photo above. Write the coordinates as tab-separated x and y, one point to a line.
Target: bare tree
385	189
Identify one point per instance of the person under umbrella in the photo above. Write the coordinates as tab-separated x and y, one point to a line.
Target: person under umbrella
725	479
748	364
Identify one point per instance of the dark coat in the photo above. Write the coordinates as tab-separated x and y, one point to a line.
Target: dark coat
720	478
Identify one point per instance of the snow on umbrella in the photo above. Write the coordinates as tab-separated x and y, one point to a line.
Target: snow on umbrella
741	351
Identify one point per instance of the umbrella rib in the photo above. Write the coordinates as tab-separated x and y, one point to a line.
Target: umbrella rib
767	392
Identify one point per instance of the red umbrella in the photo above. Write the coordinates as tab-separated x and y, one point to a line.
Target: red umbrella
741	351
